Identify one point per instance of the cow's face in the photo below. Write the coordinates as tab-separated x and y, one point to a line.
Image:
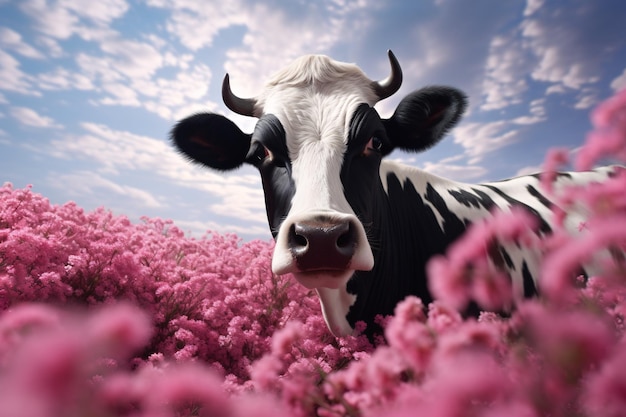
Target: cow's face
318	145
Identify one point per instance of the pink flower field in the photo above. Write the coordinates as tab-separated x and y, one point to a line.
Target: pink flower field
103	317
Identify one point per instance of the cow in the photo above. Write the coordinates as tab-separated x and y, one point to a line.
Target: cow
357	228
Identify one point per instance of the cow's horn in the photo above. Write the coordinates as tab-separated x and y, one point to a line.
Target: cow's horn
243	106
391	84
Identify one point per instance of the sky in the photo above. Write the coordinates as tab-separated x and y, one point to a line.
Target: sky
89	90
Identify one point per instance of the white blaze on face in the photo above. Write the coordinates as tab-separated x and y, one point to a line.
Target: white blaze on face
316	130
314	100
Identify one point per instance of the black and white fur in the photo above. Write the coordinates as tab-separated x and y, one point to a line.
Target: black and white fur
355	227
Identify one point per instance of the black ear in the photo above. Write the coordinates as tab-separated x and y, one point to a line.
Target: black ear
212	140
424	116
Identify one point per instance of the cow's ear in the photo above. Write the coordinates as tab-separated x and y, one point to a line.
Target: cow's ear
423	117
212	140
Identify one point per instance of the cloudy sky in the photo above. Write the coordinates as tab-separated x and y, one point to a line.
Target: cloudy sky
90	89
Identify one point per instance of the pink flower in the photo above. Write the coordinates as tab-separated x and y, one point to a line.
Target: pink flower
471	336
120	329
609	137
605	394
409	335
264	372
442	318
50	369
186	387
561	265
554	160
284	339
469	271
571	342
448	282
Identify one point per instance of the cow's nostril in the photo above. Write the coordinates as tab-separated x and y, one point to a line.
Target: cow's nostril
300	240
347	240
298	243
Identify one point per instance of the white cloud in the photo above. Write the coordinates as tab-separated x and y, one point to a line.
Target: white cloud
479	139
12	78
532	6
113	151
62	79
132	59
537	113
455	172
527	120
88	182
127	74
553	44
98	69
181	95
52	20
149	72
271	36
196	23
586	100
10	39
123	59
450	167
29	117
51	46
556	89
199	228
620	82
506	69
101	12
121	95
560	38
62	19
528	170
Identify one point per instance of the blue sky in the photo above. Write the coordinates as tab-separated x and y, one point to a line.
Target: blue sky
89	90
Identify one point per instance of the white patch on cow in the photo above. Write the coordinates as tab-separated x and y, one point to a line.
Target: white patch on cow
335	305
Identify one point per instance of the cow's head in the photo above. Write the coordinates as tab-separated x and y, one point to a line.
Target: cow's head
318	145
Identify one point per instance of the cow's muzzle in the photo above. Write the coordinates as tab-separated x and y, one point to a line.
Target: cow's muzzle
322	244
322	249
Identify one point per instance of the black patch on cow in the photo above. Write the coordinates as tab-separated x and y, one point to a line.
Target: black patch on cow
540	197
404	235
529	283
477	200
507	259
544	227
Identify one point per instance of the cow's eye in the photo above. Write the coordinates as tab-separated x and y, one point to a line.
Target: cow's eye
259	153
375	144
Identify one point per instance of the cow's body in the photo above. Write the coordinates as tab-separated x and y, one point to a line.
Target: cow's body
358	229
419	215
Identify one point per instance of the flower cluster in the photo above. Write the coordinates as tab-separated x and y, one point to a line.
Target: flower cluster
213	299
99	316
